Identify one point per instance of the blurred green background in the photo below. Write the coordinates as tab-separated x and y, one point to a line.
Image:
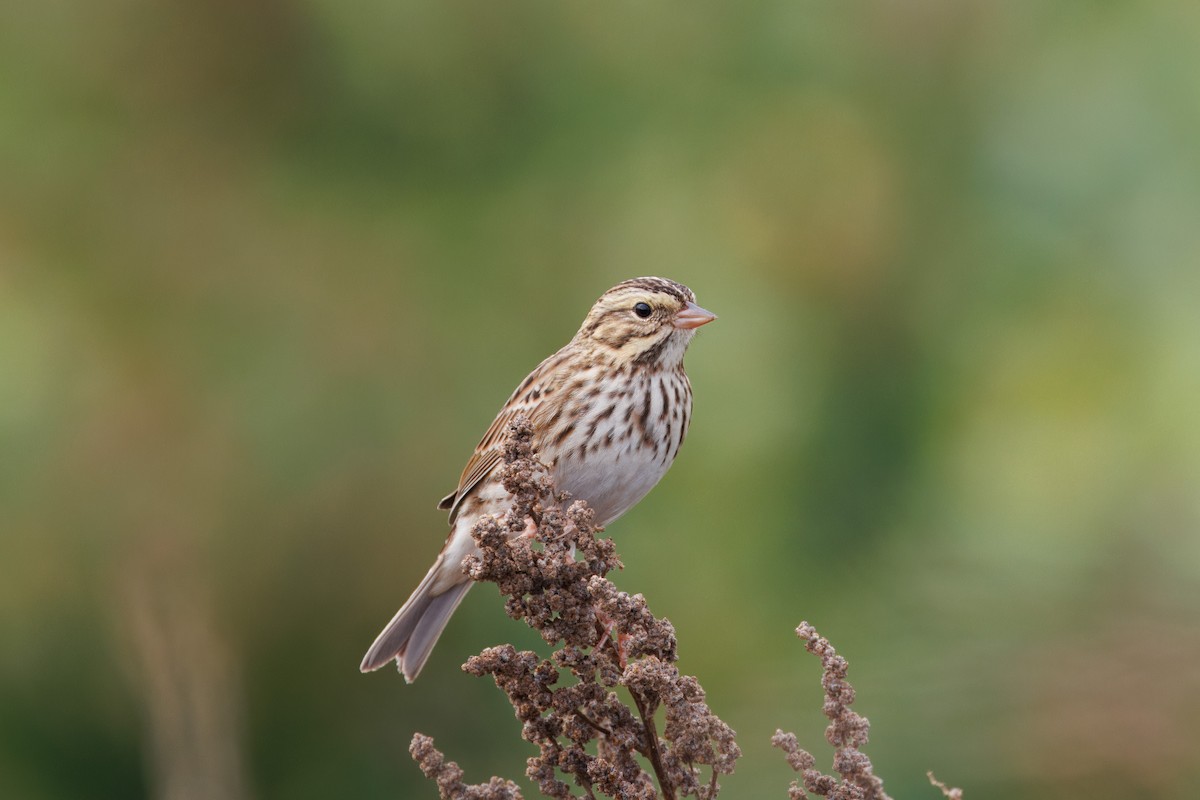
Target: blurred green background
268	269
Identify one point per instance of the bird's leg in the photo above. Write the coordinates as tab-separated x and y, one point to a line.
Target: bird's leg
603	626
572	534
530	531
609	628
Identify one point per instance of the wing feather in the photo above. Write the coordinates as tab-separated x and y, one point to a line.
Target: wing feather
535	397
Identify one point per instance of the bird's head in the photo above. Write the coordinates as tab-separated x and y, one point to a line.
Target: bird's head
643	321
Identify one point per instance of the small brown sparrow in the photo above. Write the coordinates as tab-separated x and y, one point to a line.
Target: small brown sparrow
609	412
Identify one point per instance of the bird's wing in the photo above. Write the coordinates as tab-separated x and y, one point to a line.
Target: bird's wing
530	399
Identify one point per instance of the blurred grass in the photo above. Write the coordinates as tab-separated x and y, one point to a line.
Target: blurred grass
267	270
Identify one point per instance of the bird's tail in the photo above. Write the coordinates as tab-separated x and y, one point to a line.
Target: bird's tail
410	636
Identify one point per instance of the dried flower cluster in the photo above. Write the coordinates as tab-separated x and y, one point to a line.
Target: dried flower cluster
953	793
448	775
552	569
847	732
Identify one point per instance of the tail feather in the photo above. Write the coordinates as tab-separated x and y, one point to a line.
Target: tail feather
410	636
429	628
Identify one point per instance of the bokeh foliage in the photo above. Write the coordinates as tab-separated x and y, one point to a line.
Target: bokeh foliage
268	268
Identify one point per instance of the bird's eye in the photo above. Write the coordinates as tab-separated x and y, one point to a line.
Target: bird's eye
642	310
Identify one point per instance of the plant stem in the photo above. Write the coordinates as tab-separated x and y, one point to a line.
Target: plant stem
668	791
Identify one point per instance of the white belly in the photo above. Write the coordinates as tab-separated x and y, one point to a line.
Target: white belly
613	475
611	481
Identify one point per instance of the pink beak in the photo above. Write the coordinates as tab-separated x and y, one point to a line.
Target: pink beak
693	316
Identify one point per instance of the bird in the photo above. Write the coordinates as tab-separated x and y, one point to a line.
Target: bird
609	412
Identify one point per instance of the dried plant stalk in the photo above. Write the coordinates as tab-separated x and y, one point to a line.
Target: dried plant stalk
551	567
847	732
